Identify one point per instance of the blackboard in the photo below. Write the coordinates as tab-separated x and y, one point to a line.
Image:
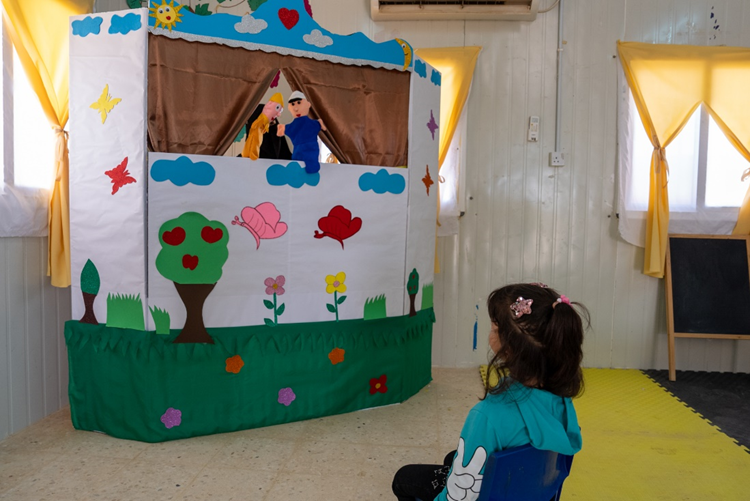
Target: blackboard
710	285
708	289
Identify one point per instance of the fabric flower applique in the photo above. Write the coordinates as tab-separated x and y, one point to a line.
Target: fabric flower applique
235	364
172	418
274	288
377	385
286	396
336	356
334	285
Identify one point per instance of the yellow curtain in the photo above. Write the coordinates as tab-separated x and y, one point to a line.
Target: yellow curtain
668	83
39	32
456	66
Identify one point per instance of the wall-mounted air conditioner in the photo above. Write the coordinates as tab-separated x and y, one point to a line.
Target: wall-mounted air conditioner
420	10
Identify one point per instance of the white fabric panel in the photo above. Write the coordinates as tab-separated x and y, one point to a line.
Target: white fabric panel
424	103
108	228
373	258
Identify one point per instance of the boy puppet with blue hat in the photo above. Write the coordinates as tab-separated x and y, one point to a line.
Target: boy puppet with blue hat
303	131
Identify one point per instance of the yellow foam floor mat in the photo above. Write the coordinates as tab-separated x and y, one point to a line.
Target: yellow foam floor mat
641	443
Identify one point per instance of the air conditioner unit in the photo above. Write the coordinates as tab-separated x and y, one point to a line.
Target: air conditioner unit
420	10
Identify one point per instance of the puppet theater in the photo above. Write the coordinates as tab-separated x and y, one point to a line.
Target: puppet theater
213	293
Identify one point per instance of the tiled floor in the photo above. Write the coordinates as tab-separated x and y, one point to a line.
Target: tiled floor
338	458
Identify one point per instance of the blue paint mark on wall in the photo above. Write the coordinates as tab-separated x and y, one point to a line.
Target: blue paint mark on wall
476	326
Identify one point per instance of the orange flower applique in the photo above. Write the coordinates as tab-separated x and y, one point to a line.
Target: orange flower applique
336	356
235	364
427	180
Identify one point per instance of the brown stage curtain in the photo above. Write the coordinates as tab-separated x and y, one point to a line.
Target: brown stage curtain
365	109
200	95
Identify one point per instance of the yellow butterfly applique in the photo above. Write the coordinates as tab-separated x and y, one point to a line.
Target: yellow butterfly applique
105	103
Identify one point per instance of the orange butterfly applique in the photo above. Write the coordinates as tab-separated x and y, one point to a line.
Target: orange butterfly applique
120	176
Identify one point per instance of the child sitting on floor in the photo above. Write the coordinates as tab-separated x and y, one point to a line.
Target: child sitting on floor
536	339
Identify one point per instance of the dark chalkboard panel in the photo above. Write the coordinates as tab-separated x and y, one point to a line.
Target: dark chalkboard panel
710	285
708	288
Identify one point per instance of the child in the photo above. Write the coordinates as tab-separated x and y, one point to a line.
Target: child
536	339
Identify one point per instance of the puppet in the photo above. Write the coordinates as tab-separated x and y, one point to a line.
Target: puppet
303	131
273	108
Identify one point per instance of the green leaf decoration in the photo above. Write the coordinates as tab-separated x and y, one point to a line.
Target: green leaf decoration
268	304
281	309
269	322
331	308
90	278
135	4
341	300
202	9
220	1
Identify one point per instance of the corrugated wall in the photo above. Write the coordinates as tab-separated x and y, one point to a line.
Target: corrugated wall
33	359
524	221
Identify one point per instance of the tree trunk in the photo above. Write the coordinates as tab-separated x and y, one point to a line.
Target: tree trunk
89	317
412	311
194	295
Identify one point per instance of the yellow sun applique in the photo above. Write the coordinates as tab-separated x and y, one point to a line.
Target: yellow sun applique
105	103
166	15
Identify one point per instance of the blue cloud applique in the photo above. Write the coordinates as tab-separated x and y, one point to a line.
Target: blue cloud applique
87	26
436	78
183	171
420	68
382	182
126	24
292	174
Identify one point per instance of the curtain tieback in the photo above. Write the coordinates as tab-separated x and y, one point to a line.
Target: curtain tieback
745	174
61	149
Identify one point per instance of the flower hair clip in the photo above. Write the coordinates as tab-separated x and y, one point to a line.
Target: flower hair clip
521	307
562	299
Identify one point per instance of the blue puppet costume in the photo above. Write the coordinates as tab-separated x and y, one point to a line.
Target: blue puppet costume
303	131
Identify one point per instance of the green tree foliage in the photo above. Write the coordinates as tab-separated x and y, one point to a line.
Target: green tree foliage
90	282
254	4
412	286
194	249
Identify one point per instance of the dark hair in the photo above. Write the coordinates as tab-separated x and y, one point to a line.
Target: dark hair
541	349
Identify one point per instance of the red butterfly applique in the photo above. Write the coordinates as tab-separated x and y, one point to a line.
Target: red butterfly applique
120	176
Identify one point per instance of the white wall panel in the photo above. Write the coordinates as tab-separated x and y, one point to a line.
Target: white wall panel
33	359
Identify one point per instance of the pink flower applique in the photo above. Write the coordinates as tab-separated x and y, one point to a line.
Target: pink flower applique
286	396
275	286
172	418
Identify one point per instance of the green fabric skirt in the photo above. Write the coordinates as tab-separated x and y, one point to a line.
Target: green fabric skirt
140	386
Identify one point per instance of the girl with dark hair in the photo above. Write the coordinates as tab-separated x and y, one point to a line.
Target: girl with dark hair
536	340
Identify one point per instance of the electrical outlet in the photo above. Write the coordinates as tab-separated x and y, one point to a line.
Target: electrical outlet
556	159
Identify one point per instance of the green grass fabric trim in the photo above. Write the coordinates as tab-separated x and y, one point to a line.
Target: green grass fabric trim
123	381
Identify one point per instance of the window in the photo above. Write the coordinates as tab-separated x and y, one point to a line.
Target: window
27	150
705	171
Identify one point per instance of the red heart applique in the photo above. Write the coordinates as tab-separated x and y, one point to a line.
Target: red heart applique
189	261
289	18
174	237
211	235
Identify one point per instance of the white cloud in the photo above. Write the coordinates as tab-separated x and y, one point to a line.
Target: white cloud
250	25
317	39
